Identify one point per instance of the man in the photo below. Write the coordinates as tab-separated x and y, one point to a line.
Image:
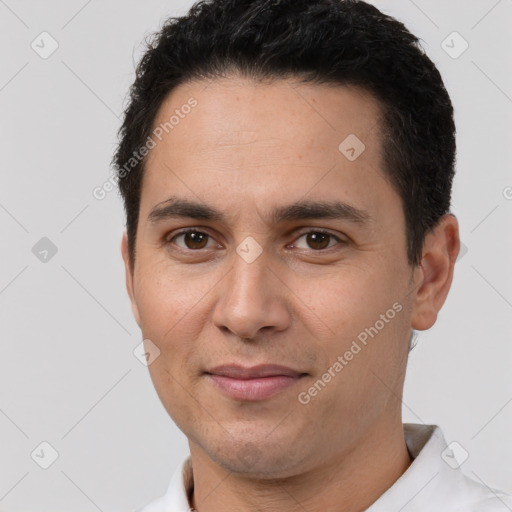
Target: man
286	168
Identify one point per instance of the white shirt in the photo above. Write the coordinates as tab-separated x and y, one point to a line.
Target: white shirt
433	482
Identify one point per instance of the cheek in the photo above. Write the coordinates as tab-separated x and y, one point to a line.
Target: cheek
175	309
174	391
364	319
164	300
172	315
347	300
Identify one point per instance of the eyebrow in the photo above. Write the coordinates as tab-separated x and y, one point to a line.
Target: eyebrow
175	207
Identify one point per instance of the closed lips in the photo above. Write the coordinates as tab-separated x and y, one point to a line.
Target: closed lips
255	372
253	384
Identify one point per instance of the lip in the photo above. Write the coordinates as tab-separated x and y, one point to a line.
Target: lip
253	383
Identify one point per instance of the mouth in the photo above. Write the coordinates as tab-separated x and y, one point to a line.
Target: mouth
255	383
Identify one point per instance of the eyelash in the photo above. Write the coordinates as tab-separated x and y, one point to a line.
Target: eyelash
169	241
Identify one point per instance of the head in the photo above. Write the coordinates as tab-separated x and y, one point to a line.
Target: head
309	148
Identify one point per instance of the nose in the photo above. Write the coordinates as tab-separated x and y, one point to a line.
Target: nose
252	300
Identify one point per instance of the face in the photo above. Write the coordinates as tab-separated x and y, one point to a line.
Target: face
261	241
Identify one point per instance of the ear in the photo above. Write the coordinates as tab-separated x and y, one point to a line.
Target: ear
434	275
129	272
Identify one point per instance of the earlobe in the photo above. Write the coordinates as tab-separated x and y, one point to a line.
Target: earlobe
435	273
129	276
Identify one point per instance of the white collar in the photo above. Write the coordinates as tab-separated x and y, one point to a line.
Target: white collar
433	481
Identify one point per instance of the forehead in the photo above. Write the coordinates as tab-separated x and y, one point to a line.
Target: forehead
238	110
265	141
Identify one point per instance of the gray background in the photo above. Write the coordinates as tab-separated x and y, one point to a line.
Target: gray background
68	375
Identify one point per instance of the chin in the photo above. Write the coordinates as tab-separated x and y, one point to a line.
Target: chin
257	460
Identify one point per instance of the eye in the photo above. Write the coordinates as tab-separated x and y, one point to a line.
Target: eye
318	240
192	239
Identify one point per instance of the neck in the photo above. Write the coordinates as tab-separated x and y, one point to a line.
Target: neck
349	482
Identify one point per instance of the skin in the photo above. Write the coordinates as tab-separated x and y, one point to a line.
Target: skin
245	149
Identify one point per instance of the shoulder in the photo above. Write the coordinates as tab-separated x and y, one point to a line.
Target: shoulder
495	504
481	498
155	506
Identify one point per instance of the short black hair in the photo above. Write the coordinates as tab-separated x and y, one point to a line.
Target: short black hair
344	42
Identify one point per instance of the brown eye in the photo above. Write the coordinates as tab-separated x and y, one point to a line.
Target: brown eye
317	240
192	239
